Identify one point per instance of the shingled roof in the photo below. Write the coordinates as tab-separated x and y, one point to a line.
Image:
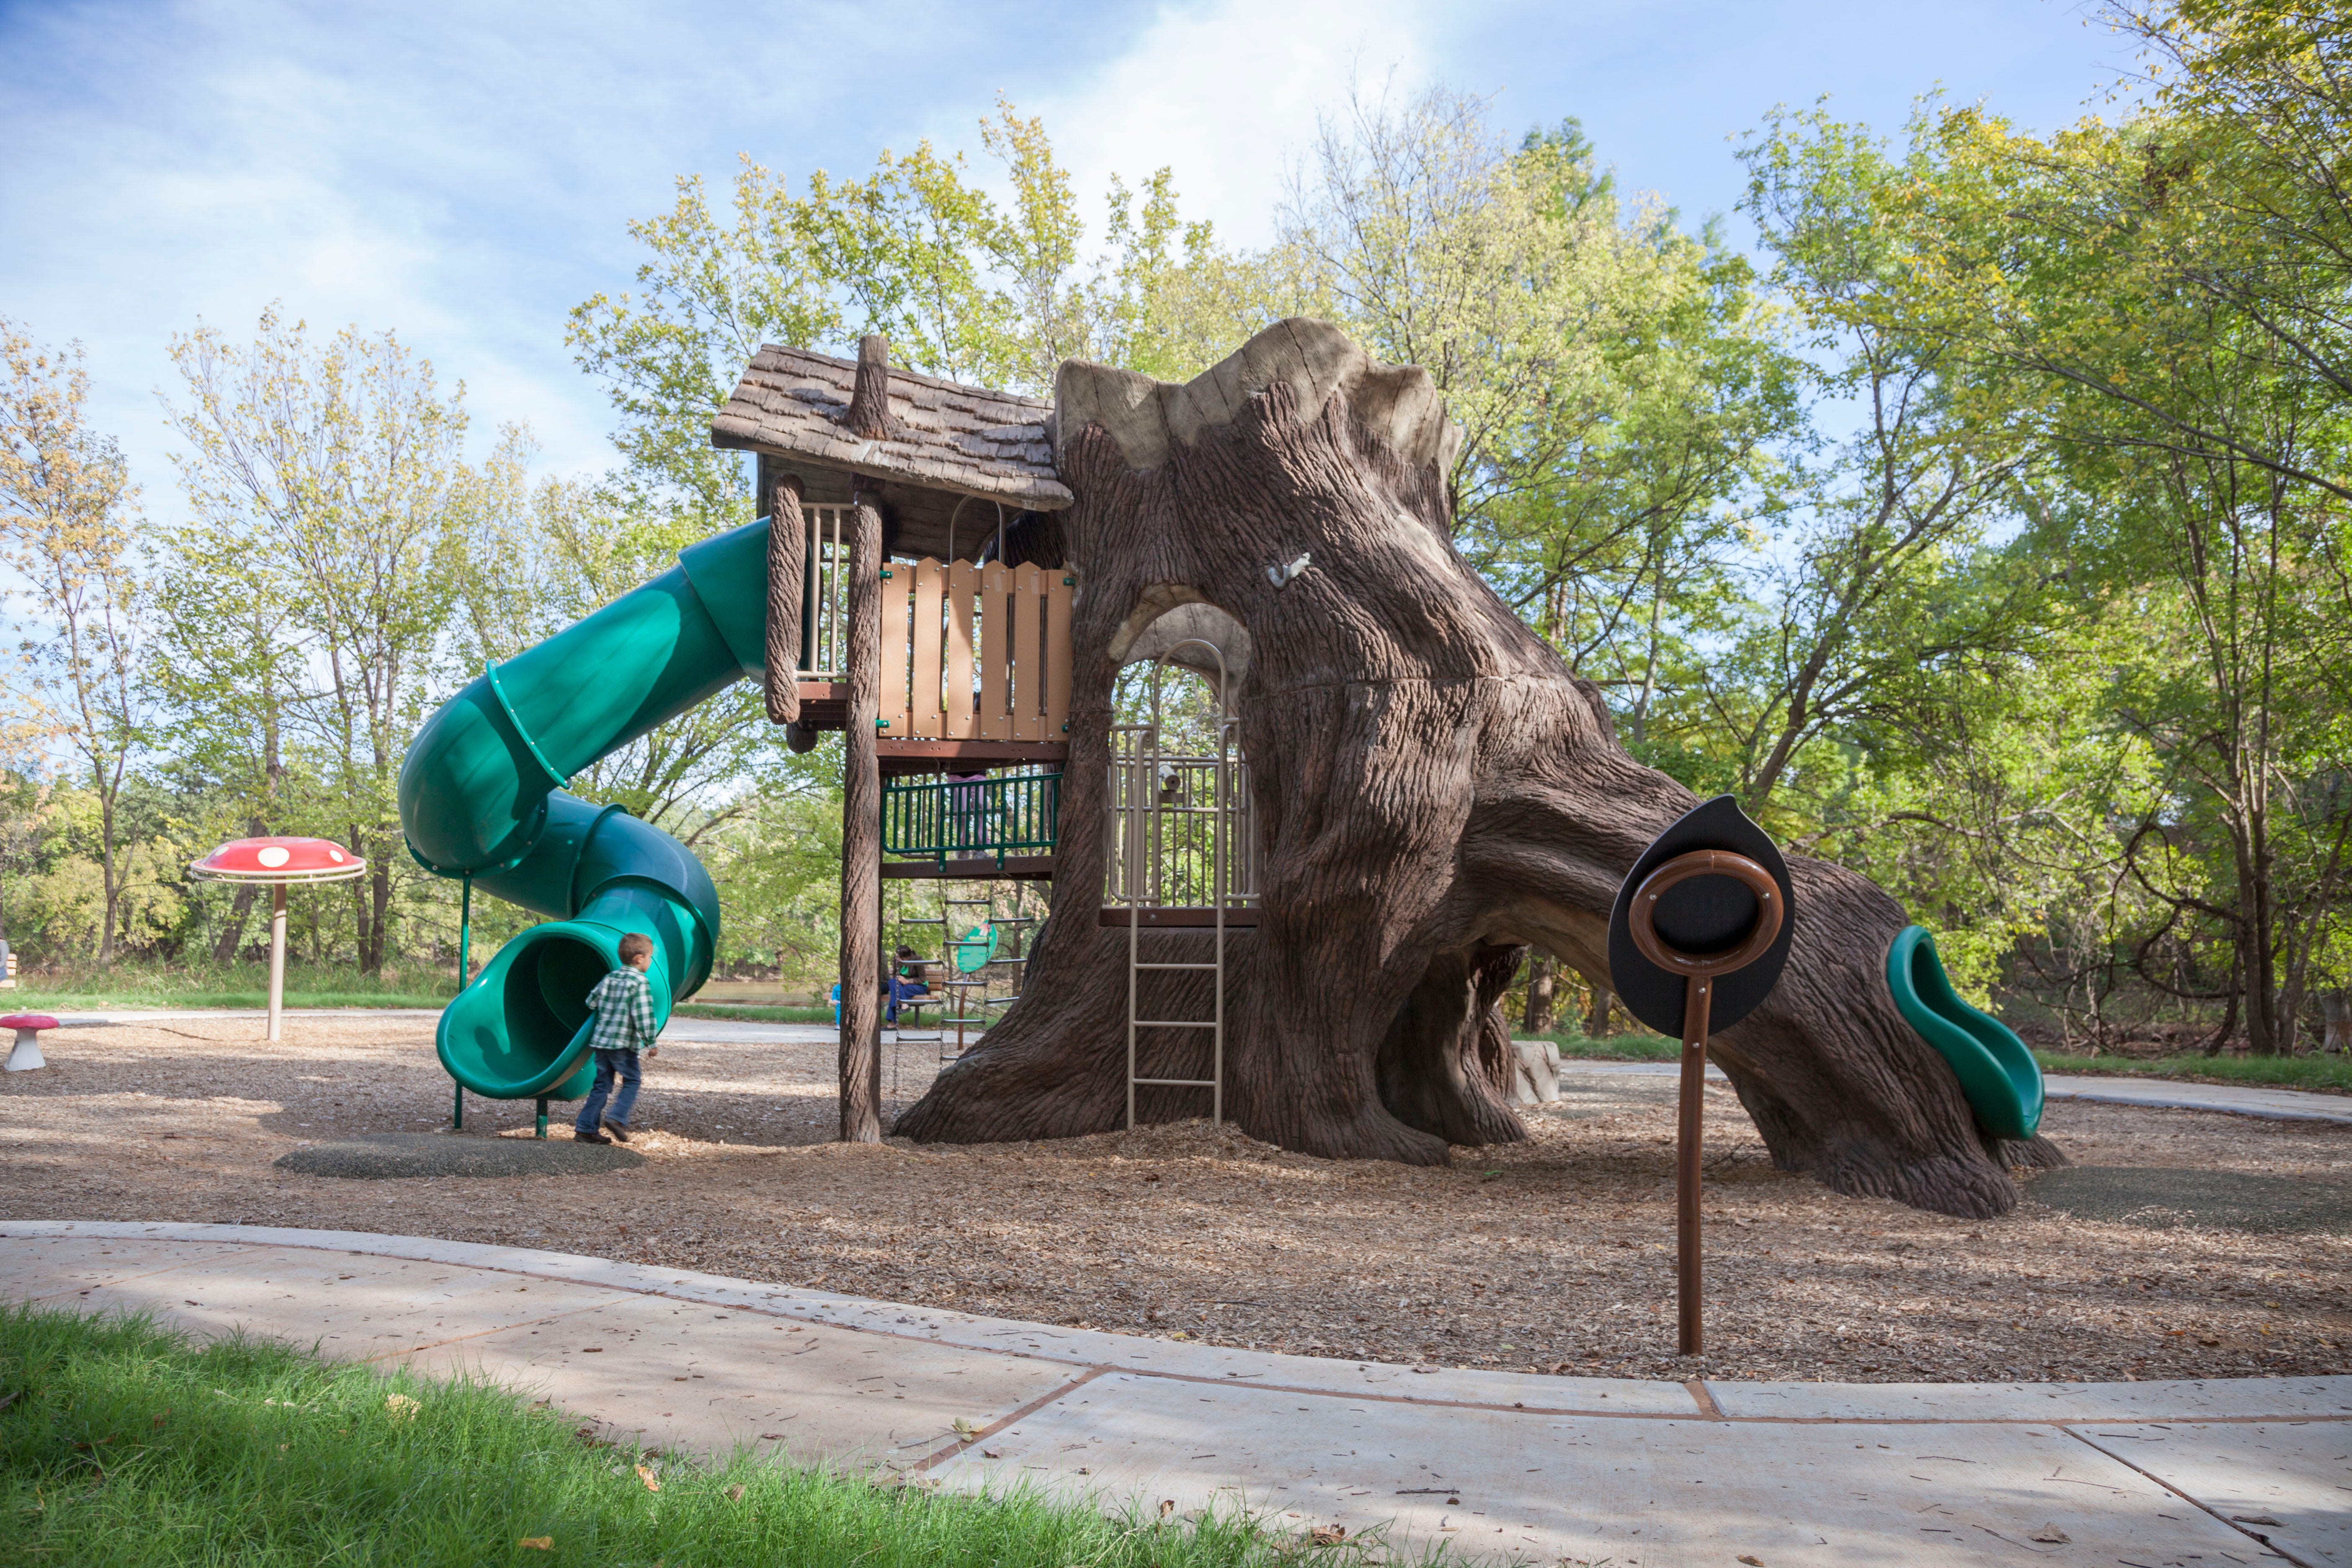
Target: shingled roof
960	441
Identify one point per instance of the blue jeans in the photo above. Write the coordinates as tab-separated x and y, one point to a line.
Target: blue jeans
903	990
610	1065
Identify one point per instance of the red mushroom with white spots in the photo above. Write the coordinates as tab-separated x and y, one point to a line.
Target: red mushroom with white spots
278	861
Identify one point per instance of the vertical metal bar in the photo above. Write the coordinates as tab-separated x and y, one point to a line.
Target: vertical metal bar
539	1129
1217	893
1134	915
1690	1124
464	978
811	589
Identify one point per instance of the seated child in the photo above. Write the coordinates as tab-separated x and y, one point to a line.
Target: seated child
906	982
622	1003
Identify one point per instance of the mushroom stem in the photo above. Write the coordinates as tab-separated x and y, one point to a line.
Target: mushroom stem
277	956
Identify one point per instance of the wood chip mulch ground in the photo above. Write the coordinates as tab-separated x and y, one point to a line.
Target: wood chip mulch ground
1550	1256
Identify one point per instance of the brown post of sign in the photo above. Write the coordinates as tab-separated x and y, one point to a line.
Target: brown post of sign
1700	971
861	841
1689	1129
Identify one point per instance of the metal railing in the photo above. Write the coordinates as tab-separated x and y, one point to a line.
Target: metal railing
1182	835
944	819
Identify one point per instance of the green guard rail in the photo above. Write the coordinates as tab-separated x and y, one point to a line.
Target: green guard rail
1997	1073
480	798
934	820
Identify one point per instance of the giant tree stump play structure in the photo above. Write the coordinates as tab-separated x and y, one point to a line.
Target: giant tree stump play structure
1428	791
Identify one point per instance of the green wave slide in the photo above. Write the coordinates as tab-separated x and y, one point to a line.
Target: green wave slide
481	797
1999	1075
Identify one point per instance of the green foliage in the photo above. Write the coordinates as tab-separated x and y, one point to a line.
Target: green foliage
1987	530
121	1444
920	252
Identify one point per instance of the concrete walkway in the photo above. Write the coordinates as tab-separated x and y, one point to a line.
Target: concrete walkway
1506	1465
2272	1104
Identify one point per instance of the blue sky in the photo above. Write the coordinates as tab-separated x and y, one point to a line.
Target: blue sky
464	172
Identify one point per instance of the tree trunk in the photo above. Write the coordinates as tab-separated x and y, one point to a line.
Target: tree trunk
1596	1011
240	908
109	887
1542	976
2335	1008
232	936
1433	789
861	843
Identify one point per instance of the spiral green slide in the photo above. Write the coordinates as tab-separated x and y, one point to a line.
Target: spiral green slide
481	798
1999	1075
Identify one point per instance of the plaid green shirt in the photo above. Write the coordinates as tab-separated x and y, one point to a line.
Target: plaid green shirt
624	1004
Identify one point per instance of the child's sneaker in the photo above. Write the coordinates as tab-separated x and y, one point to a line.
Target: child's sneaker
619	1129
580	1137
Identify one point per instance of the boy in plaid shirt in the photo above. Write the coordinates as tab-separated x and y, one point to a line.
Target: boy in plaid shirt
624	1004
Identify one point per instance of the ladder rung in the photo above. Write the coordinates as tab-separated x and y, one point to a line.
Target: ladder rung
1175	966
1176	1082
1172	1024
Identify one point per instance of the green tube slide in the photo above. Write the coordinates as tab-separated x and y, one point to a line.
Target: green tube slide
1999	1075
481	797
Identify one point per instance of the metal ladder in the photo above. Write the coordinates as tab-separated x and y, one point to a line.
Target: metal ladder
1146	888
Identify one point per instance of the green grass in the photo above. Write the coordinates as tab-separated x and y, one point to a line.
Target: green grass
123	1446
146	984
753	1014
2327	1075
106	1001
750	1012
1615	1048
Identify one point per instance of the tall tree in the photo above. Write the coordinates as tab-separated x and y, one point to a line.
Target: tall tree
337	469
1865	586
66	512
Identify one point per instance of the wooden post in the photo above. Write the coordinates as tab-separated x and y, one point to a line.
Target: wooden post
787	555
861	841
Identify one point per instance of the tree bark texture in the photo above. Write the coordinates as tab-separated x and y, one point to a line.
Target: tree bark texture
868	413
1434	793
861	842
1542	978
787	561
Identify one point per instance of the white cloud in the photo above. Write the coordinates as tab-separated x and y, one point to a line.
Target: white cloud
1227	93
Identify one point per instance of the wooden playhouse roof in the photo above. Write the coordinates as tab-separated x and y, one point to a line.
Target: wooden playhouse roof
950	441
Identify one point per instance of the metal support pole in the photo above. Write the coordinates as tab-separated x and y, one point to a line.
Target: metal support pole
1690	1127
276	957
539	1129
464	978
1699	973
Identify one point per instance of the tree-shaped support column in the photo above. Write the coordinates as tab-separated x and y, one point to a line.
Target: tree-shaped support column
1434	793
